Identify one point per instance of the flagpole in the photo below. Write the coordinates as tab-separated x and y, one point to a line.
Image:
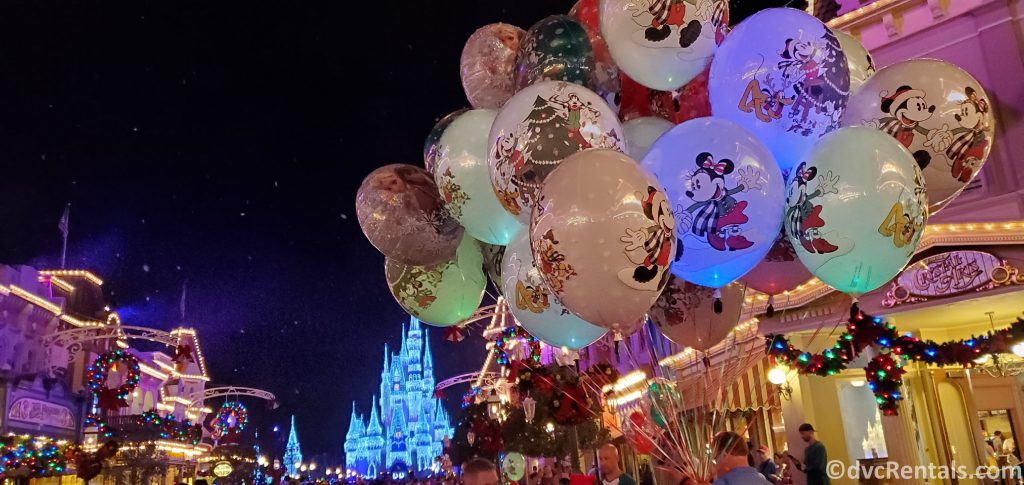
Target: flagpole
64	225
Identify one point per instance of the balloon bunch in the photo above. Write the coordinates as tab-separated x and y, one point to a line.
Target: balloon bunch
631	159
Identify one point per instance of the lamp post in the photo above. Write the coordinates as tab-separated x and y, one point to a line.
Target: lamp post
494	405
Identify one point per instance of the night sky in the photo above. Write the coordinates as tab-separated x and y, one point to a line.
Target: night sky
222	142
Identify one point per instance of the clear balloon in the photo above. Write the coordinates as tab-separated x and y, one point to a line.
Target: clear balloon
493	255
782	75
642	132
557	49
488	64
537	128
663	44
400	211
430	145
463	178
514	466
728	196
603	237
533	304
856	209
685	313
443	294
779	271
937	111
858	59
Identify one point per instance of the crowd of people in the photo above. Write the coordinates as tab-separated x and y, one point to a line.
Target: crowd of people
736	464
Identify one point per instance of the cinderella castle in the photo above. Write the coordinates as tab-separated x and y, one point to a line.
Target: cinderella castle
407	434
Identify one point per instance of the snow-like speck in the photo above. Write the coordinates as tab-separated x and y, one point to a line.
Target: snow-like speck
145	268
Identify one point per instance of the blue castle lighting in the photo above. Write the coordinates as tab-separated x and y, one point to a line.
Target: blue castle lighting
409	431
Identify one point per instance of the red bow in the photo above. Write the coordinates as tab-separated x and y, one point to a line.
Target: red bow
719	167
110	401
454	334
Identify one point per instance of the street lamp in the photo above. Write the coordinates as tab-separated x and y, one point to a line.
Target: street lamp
494	405
302	468
312	466
529	408
779	376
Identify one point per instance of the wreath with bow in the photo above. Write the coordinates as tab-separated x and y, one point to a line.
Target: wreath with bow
232	417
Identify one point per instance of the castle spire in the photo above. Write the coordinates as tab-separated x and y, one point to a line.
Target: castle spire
428	360
387	369
355	425
293	451
373	427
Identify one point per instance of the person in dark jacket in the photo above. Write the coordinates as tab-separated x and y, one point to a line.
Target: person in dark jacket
815	458
767	467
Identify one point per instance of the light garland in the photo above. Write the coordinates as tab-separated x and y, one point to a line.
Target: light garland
232	417
515	333
40	456
107	399
170	428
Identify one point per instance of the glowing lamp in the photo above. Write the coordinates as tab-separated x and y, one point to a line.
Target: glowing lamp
777	375
1018	349
857	383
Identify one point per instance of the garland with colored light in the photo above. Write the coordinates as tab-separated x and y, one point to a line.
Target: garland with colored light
471	396
170	428
515	333
41	457
110	399
885	373
232	417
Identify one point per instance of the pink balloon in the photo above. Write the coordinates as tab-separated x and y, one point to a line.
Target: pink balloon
400	211
488	64
685	313
779	271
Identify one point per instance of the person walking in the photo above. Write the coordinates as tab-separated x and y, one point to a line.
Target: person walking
815	458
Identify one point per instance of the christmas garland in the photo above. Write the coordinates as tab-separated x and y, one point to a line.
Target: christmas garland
110	399
514	333
885	371
170	428
232	417
34	457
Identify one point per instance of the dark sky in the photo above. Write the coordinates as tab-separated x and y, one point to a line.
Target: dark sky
222	142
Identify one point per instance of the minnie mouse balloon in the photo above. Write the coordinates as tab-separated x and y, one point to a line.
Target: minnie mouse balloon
603	237
443	294
642	132
782	75
558	49
685	313
858	59
937	111
663	44
537	128
463	178
855	209
401	213
488	64
535	307
727	193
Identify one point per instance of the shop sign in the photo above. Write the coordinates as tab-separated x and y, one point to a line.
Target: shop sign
949	273
222	469
30	410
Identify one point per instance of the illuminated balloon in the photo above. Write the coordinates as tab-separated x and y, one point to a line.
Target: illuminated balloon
537	128
663	44
430	145
488	64
400	211
937	111
641	133
556	48
493	255
534	305
858	59
685	313
443	294
463	178
782	75
686	103
605	80
856	209
779	271
514	466
728	196
603	237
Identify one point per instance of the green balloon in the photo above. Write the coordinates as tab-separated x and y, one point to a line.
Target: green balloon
556	48
514	465
443	294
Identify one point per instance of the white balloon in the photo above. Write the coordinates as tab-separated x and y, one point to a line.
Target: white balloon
858	59
642	132
663	44
727	194
782	75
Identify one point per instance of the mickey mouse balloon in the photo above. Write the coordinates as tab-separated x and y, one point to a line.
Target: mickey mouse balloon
603	237
937	111
442	294
536	130
727	194
859	60
855	209
782	75
663	44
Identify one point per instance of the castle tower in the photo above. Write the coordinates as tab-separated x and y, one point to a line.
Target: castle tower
398	439
353	439
428	368
374	443
385	380
292	451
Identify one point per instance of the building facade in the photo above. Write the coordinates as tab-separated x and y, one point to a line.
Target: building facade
407	424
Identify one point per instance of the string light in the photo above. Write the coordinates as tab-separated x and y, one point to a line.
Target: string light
231	418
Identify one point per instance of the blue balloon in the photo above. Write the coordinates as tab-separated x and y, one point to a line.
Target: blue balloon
535	306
